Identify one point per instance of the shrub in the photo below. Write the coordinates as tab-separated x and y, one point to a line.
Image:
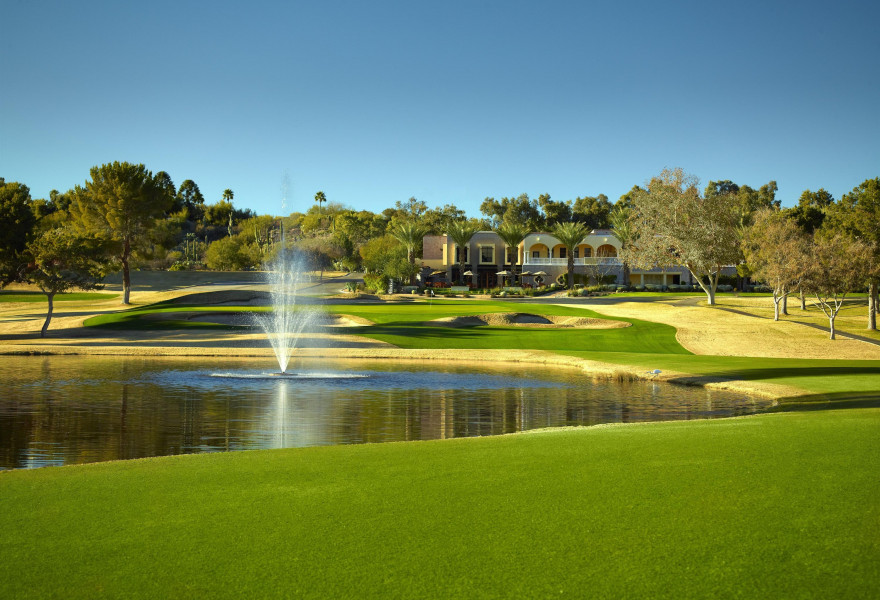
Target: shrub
725	287
376	282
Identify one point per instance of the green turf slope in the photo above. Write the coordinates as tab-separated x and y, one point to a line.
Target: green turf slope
772	506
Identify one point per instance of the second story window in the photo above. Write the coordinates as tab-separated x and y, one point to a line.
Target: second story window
487	255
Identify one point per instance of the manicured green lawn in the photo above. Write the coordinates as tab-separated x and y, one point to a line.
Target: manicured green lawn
402	326
773	506
17	296
133	318
821	377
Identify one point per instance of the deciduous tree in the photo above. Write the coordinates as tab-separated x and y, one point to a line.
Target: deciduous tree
838	265
593	211
674	225
858	214
777	252
62	259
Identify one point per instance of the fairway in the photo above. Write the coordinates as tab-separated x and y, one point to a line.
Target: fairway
770	506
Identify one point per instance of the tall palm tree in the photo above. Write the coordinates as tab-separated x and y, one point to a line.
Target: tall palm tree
570	234
461	232
320	198
512	234
410	234
227	196
619	219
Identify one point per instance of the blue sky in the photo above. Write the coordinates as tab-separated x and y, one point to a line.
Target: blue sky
450	102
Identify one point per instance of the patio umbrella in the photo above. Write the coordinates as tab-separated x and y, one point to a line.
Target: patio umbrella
526	273
541	273
468	273
503	273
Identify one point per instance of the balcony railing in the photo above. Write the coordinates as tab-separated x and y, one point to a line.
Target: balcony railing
592	260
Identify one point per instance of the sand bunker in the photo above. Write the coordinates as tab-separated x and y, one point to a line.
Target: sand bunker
528	320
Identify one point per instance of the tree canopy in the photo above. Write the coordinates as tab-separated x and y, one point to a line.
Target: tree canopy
674	225
120	204
17	221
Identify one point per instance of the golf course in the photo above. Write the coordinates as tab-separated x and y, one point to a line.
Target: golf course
780	504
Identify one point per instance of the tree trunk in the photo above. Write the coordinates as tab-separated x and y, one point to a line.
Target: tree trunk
872	304
570	270
50	296
831	325
785	304
803	299
777	298
126	275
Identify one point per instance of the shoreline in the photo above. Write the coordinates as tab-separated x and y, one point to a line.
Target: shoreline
590	368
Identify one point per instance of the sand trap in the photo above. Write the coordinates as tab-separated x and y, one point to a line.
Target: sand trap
527	320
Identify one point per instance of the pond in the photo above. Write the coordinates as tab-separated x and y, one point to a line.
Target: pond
67	410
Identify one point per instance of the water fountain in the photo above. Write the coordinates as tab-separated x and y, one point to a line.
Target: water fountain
286	321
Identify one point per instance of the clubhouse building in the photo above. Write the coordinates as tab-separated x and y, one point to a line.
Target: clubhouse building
540	257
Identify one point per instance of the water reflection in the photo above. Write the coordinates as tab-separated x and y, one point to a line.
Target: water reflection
65	410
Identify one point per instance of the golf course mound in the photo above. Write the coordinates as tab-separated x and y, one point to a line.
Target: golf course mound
528	320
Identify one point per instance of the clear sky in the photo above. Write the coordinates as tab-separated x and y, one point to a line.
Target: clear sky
448	101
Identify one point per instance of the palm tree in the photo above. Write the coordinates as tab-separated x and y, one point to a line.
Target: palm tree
227	196
461	232
320	198
619	219
410	234
512	234
570	234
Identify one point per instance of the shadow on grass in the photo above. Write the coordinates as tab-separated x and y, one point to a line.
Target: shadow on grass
839	400
790	372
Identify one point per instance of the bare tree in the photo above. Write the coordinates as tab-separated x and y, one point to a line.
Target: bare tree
776	251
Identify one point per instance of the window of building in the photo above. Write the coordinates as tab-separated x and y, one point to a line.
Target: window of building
577	252
487	255
536	254
562	253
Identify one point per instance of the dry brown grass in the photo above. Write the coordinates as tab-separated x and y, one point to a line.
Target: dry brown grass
712	331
